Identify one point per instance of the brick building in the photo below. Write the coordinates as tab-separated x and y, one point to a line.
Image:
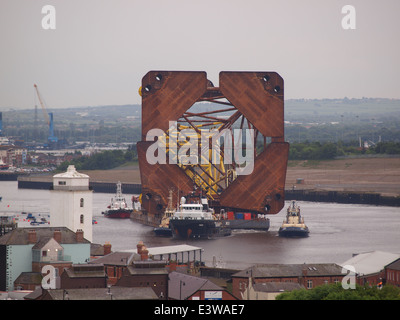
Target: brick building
392	273
27	250
84	276
307	275
186	287
369	267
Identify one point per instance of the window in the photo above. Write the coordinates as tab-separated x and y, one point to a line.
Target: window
309	284
82	202
44	253
82	218
62	183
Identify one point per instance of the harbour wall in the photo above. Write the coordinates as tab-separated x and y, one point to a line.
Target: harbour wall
367	198
102	187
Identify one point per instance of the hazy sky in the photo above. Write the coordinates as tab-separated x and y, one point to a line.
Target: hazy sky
101	49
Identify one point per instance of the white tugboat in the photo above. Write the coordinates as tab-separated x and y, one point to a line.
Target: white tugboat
294	225
196	220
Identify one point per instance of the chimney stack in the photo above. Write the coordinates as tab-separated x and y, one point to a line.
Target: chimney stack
144	255
57	235
139	247
32	236
107	248
79	235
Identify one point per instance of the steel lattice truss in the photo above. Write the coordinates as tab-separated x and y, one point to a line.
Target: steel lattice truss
243	100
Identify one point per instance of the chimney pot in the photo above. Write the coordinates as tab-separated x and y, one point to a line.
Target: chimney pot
79	235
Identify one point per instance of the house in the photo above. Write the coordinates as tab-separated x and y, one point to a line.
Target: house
84	276
114	264
29	249
369	267
186	287
110	293
392	273
268	290
307	275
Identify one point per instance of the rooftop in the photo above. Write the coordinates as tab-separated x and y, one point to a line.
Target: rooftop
183	286
112	293
19	236
71	173
169	249
290	270
371	262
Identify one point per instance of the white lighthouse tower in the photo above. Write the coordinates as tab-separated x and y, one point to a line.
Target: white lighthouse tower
72	202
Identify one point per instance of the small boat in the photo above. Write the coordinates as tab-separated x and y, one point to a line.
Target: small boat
196	220
164	230
118	209
294	225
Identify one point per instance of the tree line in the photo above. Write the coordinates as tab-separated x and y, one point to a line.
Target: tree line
331	150
298	151
336	292
104	160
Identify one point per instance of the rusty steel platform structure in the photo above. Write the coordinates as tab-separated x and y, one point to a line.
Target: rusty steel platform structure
243	100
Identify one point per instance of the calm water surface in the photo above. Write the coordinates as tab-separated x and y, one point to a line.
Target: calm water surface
336	231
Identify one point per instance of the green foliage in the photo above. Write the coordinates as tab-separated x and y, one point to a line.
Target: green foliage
336	292
102	161
317	151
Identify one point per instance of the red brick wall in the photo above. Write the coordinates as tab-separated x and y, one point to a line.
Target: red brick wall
393	277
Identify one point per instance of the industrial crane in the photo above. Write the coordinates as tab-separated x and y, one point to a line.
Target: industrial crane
49	118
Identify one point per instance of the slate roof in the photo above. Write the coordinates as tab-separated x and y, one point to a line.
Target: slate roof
290	270
115	258
29	278
117	293
183	286
395	265
85	271
19	236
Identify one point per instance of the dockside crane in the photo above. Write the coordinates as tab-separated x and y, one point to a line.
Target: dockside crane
52	139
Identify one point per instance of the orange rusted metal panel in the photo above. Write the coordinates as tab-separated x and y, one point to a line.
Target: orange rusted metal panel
255	100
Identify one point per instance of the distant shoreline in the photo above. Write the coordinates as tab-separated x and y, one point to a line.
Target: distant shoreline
365	180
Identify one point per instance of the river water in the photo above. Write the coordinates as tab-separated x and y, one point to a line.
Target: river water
336	231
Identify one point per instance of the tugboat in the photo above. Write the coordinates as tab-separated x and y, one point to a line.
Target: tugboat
294	225
164	229
196	220
118	209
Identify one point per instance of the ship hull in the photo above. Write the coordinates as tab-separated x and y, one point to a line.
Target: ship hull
163	232
262	224
193	229
118	214
293	232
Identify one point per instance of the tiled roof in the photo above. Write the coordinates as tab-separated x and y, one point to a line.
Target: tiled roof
395	265
19	236
115	258
290	270
182	286
114	293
